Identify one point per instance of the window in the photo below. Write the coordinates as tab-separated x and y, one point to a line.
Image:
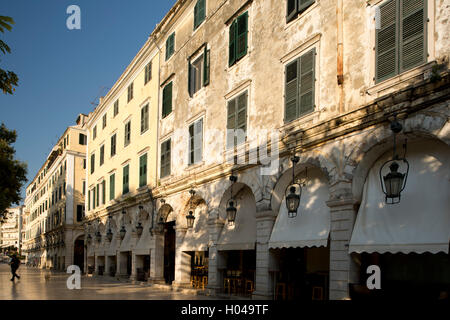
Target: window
401	39
237	120
144	118
170	46
94	133
98	194
148	72
126	177
84	188
238	39
199	13
102	155
130	92
167	100
84	163
103	192
116	108
165	158
300	82
113	144
112	183
195	141
104	122
80	212
143	170
82	139
296	7
92	163
127	133
198	73
93	198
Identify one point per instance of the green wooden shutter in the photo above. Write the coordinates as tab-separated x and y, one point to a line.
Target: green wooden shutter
103	192
201	11
198	140
304	4
167	100
231	122
307	80
206	62
191	159
191	78
196	15
242	112
291	94
387	42
242	31
112	182
165	158
413	34
89	200
232	44
125	179
98	194
291	10
143	170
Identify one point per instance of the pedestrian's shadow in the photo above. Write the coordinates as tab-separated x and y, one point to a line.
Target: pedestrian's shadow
14	294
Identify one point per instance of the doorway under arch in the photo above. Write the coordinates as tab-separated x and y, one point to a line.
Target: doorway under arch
78	252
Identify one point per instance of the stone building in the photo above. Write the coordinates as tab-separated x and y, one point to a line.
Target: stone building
121	171
54	203
246	85
11	230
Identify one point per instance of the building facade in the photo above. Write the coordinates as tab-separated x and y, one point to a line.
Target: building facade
245	87
11	230
54	203
121	170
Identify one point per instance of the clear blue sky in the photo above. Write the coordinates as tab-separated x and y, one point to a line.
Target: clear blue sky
62	71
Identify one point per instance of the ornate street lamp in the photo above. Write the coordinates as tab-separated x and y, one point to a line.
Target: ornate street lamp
231	209
139	229
122	232
98	236
141	207
109	235
89	239
190	217
393	183
295	192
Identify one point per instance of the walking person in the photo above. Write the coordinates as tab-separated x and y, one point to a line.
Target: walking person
15	263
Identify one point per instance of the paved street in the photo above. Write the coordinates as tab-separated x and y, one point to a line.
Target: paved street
33	285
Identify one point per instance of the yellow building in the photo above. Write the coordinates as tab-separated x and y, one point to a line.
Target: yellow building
121	167
54	203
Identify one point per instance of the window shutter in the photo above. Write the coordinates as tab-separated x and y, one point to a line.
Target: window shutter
98	195
386	42
196	15
242	28
306	90
112	186
291	11
103	192
143	170
206	66
231	123
304	4
201	11
167	100
412	32
232	44
291	94
89	200
198	140
191	78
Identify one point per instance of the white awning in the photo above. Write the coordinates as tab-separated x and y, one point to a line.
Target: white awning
242	235
197	238
421	221
312	225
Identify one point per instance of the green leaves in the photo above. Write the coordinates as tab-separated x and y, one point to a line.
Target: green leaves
5	23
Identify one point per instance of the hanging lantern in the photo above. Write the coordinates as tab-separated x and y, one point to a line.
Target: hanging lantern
231	208
139	229
393	183
141	207
122	232
89	239
109	235
190	216
190	219
295	192
98	236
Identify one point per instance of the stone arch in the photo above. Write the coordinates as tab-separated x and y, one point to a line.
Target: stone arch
376	144
163	213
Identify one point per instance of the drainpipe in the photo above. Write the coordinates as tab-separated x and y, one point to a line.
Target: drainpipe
340	53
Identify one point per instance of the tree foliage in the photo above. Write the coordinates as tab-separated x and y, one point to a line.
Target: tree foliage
12	172
8	79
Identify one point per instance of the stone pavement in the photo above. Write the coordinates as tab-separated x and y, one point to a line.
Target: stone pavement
34	285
